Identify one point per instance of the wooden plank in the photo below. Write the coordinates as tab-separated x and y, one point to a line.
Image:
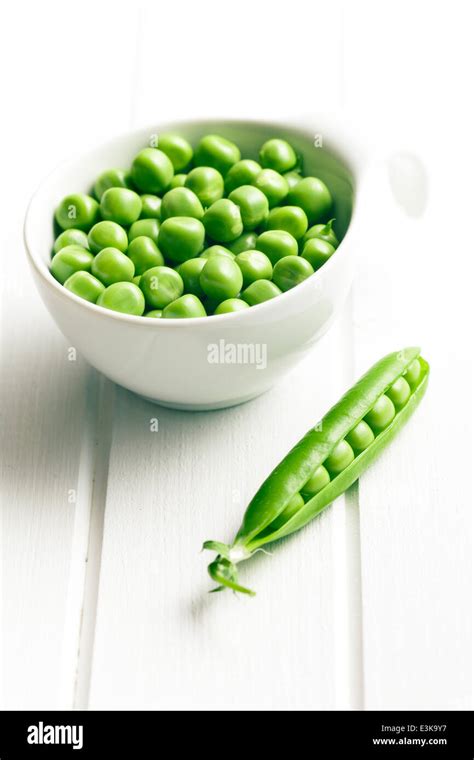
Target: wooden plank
416	503
47	429
161	640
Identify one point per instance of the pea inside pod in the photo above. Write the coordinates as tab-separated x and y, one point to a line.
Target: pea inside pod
327	460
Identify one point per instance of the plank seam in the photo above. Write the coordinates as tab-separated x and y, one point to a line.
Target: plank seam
351	545
100	444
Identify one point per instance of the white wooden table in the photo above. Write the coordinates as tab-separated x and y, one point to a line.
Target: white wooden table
104	599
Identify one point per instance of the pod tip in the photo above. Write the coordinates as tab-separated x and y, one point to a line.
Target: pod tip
224	572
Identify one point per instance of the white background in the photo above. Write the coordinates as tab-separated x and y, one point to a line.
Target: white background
104	601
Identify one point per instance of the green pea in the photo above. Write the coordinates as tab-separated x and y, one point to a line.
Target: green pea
217	250
71	237
179	180
152	170
293	506
181	201
145	254
145	227
253	205
111	265
206	183
84	285
161	285
245	242
260	291
412	375
223	221
399	392
242	173
360	437
78	211
277	155
154	313
68	260
318	480
151	207
323	232
218	152
254	265
293	178
118	204
291	219
277	244
317	252
190	271
178	150
185	307
221	278
381	414
230	305
291	271
107	235
313	196
181	238
273	185
124	297
111	178
340	458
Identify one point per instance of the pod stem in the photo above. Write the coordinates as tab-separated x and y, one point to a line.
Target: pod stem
224	568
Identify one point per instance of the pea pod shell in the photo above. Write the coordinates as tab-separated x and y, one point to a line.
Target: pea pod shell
342	482
297	467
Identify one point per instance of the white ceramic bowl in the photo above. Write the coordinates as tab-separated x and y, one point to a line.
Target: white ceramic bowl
213	362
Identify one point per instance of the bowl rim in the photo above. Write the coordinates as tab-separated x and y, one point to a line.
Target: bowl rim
198	322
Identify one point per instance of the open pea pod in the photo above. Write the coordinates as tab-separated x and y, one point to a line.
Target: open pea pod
381	401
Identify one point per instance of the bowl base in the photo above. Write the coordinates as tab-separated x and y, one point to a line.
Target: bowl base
204	407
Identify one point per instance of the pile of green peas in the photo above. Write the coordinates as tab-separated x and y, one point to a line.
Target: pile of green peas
194	232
